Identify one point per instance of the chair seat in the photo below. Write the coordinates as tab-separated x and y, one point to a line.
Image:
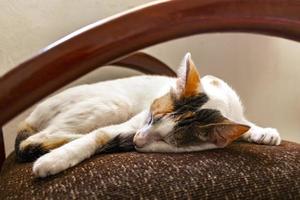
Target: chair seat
240	171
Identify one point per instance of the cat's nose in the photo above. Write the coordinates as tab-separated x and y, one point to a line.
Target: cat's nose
139	141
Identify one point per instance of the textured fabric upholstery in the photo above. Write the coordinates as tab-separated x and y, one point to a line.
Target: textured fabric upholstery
240	171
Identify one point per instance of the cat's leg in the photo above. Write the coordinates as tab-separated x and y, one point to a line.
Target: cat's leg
256	134
39	133
31	147
78	150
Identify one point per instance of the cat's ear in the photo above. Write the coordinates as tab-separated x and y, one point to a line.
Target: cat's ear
188	79
222	134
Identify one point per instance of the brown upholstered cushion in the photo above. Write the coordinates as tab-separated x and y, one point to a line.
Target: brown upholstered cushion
240	171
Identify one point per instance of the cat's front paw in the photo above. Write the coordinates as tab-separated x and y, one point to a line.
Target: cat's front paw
268	136
49	164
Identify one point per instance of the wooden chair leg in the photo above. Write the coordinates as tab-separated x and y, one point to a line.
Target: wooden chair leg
2	150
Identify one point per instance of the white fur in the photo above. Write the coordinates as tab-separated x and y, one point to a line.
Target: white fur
121	106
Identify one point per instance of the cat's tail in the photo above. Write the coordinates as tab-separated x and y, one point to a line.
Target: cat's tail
28	152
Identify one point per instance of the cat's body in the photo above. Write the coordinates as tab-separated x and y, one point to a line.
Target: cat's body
88	107
89	119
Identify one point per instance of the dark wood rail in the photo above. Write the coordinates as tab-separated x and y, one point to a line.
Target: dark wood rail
145	63
107	40
2	151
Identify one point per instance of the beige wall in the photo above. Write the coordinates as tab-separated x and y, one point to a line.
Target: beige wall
264	70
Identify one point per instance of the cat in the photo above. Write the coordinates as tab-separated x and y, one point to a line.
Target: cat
146	113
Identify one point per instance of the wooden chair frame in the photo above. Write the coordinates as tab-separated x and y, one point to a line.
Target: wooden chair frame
108	40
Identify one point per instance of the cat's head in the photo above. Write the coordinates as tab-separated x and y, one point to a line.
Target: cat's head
177	120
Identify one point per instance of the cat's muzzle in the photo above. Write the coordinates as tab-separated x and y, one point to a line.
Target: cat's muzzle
140	140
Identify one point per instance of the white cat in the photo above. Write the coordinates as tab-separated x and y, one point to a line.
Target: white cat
148	113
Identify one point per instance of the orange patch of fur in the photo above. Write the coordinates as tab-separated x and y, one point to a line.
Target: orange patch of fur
193	80
25	127
162	105
215	82
47	143
102	139
230	131
54	143
234	131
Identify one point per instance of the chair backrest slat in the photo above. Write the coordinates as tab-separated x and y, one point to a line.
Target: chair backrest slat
2	150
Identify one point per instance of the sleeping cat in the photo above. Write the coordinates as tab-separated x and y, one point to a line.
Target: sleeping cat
146	113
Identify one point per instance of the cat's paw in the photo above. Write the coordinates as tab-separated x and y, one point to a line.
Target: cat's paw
49	164
268	136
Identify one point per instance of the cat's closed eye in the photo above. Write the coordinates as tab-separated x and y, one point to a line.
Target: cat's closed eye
149	118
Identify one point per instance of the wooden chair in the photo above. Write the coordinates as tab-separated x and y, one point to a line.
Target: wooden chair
243	171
